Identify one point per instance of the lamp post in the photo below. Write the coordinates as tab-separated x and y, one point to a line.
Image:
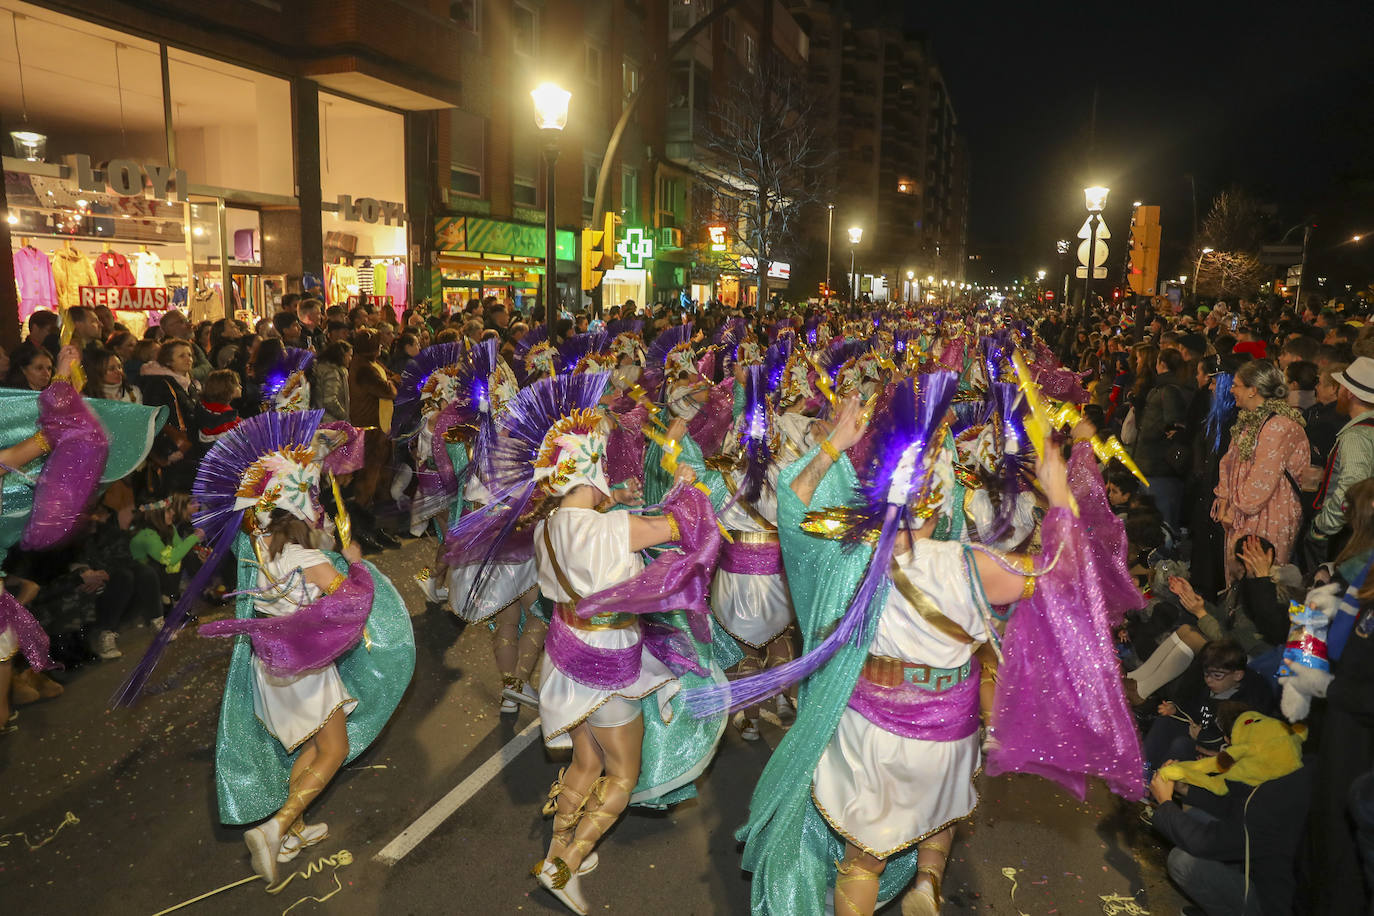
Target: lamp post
910	287
856	235
1197	269
550	116
1096	199
829	236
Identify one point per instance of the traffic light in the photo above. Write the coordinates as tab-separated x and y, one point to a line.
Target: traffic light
598	252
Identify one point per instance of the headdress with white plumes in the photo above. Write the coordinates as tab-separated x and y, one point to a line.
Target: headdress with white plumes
756	431
429	381
285	386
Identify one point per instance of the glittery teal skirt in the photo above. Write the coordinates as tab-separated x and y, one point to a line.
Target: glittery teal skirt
251	766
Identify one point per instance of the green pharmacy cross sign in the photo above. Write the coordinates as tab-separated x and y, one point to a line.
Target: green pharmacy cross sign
635	249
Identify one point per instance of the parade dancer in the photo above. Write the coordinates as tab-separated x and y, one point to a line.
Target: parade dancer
603	657
749	594
58	448
866	787
503	596
324	649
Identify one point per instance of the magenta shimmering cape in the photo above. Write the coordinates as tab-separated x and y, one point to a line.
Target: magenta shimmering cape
1061	712
313	636
72	470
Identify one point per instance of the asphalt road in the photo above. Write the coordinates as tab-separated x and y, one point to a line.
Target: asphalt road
136	792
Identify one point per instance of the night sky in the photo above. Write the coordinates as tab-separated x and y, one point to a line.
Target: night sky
1275	97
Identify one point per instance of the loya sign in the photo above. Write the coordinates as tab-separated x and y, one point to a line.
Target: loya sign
370	210
127	178
138	298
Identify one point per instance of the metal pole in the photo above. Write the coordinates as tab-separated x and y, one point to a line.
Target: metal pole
551	234
829	236
853	281
1092	250
1302	272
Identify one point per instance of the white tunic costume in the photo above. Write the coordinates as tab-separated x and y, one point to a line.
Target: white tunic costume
753	609
880	791
9	645
593	552
506	582
293	709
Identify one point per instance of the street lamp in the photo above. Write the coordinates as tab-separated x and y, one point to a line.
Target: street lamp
829	234
910	286
1096	199
856	235
550	116
1198	269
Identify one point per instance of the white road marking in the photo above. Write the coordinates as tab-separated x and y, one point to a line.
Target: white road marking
427	823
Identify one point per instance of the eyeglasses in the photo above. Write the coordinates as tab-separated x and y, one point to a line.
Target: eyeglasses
1216	674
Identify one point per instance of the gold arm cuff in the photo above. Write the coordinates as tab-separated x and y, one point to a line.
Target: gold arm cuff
1028	587
829	448
335	583
754	537
43	442
674	532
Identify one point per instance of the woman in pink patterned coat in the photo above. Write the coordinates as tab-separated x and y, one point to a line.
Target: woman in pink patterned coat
1258	490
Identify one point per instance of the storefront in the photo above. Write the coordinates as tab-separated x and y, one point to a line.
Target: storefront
137	166
362	185
486	257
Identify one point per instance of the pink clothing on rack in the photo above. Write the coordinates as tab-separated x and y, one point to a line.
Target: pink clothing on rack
396	284
37	290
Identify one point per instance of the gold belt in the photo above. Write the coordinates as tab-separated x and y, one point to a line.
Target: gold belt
893	672
610	621
754	537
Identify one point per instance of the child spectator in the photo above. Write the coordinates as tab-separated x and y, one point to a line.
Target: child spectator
158	542
1187	727
216	414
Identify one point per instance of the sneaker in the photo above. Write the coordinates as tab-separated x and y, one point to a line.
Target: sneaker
517	691
748	728
105	647
786	711
509	707
433	588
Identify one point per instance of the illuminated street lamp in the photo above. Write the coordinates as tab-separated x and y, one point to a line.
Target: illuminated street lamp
910	286
550	116
829	235
856	235
1198	269
1096	199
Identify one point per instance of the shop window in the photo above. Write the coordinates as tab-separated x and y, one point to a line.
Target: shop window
87	89
629	195
465	13
591	170
229	123
728	32
467	153
592	65
629	72
524	29
362	155
525	169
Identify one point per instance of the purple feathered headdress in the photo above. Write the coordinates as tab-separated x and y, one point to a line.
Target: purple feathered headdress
216	490
414	389
284	387
755	430
578	347
1006	416
478	537
898	474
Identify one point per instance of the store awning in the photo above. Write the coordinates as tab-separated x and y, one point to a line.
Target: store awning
351	76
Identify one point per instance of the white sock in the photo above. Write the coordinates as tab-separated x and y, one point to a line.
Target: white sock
1171	659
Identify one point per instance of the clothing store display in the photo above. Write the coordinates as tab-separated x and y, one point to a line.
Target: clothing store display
33	274
112	269
148	270
71	270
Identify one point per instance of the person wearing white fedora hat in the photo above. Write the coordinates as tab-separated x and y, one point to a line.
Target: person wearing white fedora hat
1351	461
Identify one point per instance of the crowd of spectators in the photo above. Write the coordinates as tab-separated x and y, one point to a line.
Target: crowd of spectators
1254	425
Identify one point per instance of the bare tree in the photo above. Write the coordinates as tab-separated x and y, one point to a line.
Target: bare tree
1233	230
765	161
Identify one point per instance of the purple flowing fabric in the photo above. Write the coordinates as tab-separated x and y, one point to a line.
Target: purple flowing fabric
443	462
513	548
1106	535
1061	712
613	669
33	641
911	712
312	637
952	356
751	559
714	419
603	669
1060	384
625	446
674	581
72	470
347	458
429	486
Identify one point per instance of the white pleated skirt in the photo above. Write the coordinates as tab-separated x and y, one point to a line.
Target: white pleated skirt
753	609
506	582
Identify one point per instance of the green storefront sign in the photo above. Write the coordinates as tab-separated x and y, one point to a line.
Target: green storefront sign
490	236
